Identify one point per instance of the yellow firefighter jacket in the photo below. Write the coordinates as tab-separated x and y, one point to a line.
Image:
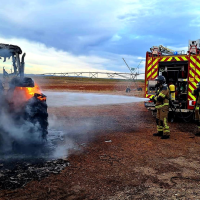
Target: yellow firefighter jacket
162	97
196	92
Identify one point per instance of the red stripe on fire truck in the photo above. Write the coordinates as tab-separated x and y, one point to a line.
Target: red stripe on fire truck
194	76
181	59
150	59
195	62
149	96
153	69
154	74
177	58
194	68
192	85
151	64
164	59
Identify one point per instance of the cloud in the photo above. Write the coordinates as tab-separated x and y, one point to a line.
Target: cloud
116	38
41	59
99	30
67	25
82	26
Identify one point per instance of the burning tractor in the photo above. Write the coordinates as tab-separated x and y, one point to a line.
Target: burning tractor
23	108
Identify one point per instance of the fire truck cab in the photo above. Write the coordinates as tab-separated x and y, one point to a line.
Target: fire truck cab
182	73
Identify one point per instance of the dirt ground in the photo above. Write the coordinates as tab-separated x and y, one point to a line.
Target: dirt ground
120	159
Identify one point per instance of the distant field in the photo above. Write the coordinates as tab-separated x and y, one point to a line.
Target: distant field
78	78
84	84
87	84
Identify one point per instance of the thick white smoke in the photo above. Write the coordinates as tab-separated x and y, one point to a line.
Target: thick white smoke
63	133
19	130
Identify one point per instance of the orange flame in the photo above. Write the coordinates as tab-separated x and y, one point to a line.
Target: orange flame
28	92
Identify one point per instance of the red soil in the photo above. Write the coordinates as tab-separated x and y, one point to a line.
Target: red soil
121	159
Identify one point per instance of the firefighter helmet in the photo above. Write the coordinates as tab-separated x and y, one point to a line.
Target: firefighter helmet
160	79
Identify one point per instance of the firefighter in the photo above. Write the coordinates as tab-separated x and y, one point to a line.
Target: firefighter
197	116
161	100
128	89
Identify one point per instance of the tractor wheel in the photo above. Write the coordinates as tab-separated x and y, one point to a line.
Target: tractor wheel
36	113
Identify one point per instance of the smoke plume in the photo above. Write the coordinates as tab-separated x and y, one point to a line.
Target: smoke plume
64	134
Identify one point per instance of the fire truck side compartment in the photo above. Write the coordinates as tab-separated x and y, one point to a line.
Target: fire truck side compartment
176	73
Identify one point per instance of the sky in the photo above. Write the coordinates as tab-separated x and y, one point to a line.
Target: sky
91	36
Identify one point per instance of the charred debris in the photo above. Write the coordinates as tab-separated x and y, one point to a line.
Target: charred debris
23	172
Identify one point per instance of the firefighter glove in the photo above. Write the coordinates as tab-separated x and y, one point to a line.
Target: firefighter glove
152	99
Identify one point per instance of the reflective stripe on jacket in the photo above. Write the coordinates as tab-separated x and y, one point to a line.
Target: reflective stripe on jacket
162	97
195	93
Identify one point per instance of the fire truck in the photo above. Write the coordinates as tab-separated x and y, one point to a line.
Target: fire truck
182	73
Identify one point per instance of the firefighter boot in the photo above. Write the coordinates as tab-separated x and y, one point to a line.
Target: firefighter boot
165	137
160	133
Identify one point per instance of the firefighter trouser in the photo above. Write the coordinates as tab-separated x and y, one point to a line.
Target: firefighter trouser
161	120
197	117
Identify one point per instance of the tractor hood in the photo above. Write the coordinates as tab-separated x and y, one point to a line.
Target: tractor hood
22	82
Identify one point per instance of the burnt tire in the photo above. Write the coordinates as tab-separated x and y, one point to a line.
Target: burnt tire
36	113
